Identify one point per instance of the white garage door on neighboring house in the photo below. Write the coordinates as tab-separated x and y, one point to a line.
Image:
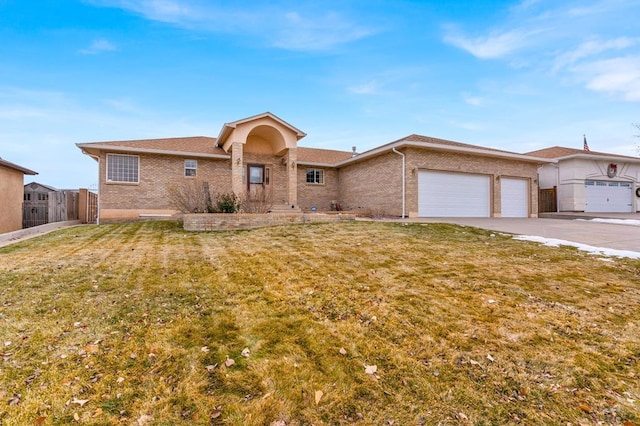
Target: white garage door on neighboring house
448	194
608	197
514	197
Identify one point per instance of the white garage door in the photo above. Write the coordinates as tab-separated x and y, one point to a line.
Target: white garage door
515	197
607	197
444	194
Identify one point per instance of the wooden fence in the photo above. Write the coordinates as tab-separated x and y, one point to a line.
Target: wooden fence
60	206
88	206
547	200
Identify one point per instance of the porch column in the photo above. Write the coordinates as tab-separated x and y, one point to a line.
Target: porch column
236	168
292	176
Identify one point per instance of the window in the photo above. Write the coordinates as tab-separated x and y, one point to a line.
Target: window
256	174
190	168
122	168
315	176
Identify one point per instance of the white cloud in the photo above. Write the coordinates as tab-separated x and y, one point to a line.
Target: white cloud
496	45
617	76
473	100
594	47
122	105
317	32
99	46
369	88
304	29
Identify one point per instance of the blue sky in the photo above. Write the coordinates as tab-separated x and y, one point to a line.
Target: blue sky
513	75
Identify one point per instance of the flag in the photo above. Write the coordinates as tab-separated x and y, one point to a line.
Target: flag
586	145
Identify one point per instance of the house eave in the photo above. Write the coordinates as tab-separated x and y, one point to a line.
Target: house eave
87	149
598	157
316	164
445	148
23	170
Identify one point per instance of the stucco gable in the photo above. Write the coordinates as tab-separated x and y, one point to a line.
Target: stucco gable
263	132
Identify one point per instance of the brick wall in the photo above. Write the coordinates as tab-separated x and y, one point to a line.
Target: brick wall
277	174
419	159
375	185
319	195
156	174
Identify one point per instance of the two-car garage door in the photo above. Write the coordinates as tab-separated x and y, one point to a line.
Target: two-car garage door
445	194
608	197
449	194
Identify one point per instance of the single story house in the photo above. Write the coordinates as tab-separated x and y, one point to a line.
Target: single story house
11	195
415	176
589	181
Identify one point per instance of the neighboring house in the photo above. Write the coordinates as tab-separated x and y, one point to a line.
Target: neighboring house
11	195
415	176
588	181
36	204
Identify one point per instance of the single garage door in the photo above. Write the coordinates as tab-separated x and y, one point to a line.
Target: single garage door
514	197
445	194
607	197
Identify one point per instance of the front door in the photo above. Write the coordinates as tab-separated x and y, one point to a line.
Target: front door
256	176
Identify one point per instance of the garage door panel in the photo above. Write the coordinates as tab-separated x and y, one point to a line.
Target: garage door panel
608	197
445	194
514	197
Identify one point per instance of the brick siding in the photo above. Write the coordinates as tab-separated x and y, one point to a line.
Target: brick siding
319	195
156	174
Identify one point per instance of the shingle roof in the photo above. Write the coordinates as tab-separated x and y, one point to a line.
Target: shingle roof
560	152
193	144
322	156
428	139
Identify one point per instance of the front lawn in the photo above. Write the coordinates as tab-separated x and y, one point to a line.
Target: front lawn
351	323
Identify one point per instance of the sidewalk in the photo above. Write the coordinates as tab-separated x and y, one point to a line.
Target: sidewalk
24	234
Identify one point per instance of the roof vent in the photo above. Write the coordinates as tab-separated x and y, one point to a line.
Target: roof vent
353	151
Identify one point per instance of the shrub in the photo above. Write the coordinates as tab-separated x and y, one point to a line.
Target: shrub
190	196
227	202
258	200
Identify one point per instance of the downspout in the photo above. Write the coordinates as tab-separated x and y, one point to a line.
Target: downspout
404	204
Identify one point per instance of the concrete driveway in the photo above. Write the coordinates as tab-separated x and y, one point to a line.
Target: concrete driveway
570	227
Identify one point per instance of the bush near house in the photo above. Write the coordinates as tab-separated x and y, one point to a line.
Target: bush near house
354	323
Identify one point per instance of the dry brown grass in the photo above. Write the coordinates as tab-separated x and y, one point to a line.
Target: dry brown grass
463	327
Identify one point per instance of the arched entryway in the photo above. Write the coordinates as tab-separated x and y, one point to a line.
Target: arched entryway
263	155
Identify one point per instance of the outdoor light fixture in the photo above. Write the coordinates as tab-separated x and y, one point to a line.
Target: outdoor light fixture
238	161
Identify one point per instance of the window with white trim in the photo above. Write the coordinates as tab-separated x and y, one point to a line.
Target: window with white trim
190	168
123	168
315	176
